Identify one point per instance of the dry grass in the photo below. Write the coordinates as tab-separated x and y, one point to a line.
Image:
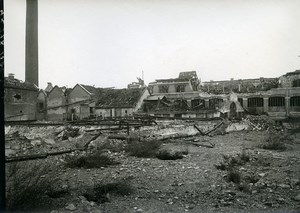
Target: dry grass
27	183
143	149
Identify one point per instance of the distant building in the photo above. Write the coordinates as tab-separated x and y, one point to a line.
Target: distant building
239	86
138	84
56	104
20	99
81	102
112	103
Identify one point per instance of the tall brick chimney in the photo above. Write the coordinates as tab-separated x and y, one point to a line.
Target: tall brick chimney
31	57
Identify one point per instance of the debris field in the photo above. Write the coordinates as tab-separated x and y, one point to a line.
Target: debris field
174	166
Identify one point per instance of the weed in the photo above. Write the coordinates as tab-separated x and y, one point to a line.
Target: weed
244	187
275	141
100	193
245	156
142	148
234	176
230	162
27	183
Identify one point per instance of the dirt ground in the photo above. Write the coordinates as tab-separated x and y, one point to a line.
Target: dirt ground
269	180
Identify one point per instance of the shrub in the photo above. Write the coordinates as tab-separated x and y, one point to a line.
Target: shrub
169	154
229	162
275	141
96	159
100	192
27	183
143	149
234	176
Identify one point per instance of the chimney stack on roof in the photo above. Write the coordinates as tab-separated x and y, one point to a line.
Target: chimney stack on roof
11	76
49	87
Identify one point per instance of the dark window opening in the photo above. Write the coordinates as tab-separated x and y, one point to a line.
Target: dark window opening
276	101
41	106
241	101
255	102
295	101
180	88
296	83
216	102
198	104
163	89
18	96
73	110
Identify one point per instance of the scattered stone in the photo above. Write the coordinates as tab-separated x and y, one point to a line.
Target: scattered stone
297	198
9	152
36	142
16	147
71	207
49	141
170	154
284	186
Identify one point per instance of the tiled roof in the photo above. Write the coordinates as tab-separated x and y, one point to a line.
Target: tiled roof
118	98
90	89
297	72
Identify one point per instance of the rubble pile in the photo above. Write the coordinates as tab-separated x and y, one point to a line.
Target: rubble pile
262	122
24	140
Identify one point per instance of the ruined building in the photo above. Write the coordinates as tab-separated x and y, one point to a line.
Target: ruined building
20	99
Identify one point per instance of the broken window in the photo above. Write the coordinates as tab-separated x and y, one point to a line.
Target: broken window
41	106
180	88
17	97
163	88
198	104
296	83
255	102
276	101
150	88
214	103
295	101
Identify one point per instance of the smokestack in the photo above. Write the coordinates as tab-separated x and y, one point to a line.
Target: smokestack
31	57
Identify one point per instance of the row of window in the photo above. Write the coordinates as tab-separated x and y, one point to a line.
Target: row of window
273	102
165	88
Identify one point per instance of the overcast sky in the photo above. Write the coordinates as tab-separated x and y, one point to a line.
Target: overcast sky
108	42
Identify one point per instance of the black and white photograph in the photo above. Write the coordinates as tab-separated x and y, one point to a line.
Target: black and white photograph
151	106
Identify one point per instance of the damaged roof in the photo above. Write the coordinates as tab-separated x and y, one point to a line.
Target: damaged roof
188	75
18	84
90	89
297	72
118	98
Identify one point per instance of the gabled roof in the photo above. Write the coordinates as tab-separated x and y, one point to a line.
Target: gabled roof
118	98
18	84
63	89
42	91
89	89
